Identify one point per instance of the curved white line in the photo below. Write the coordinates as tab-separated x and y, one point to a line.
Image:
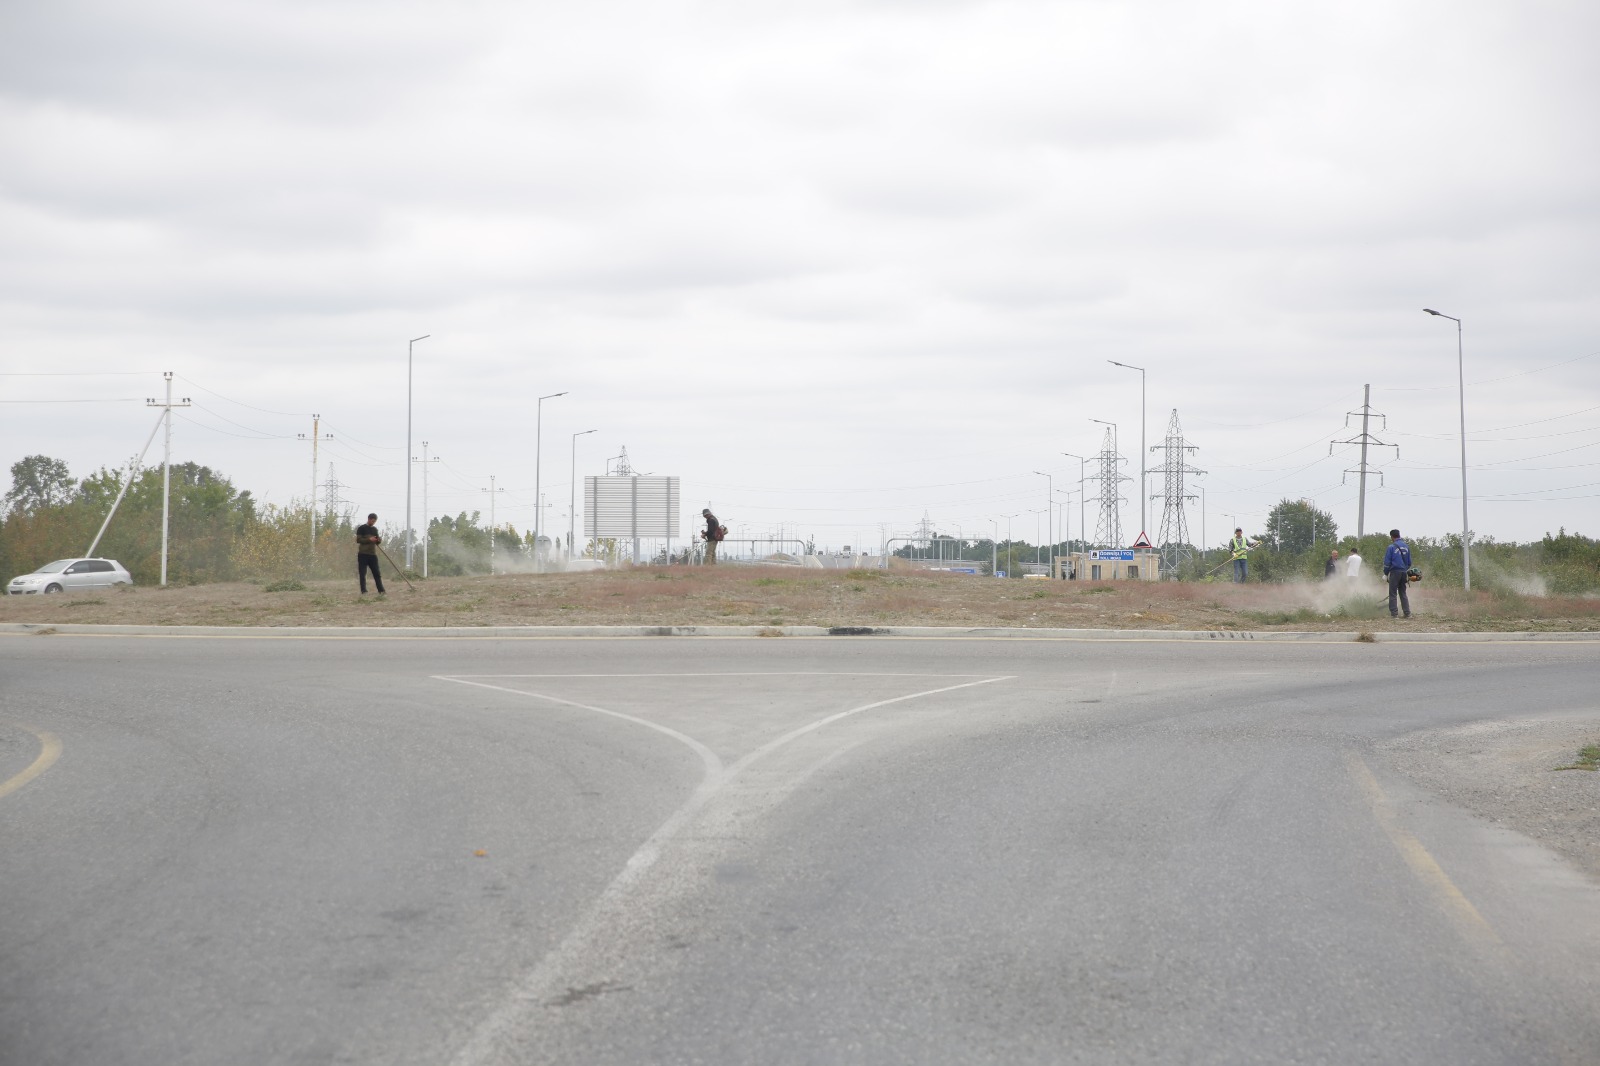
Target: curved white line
713	763
526	991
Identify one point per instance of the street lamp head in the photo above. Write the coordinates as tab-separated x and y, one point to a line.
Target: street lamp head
424	337
1430	310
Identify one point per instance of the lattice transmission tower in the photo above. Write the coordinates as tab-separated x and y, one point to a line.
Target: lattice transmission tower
1173	540
1108	527
331	491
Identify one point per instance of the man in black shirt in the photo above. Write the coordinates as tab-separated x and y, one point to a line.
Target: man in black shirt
367	541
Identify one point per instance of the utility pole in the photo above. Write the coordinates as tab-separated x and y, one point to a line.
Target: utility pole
166	470
492	491
315	438
410	347
538	441
425	460
1365	440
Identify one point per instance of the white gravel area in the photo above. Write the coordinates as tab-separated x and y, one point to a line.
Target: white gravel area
1507	773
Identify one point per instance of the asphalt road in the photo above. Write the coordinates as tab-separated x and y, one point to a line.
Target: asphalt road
839	850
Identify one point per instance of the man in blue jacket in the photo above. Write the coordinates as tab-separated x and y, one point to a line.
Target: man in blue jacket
1396	561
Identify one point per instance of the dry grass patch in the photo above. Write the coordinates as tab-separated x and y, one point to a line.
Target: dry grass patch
761	596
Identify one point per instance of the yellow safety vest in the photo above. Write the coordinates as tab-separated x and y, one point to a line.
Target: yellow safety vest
1241	547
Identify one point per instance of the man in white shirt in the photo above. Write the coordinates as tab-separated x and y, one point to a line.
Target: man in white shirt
1352	565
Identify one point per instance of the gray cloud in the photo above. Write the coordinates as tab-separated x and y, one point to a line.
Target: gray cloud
824	249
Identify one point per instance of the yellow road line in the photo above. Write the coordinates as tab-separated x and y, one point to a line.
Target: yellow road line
1472	924
49	752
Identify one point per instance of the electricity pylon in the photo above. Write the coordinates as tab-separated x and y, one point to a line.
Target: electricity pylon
1108	527
1173	539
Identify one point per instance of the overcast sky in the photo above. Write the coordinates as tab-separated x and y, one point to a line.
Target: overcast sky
836	265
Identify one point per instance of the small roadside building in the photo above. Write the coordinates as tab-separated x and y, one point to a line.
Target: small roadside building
1111	564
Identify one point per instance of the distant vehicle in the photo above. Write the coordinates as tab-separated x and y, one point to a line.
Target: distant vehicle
66	574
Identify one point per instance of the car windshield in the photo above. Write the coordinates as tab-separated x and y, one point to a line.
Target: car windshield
55	567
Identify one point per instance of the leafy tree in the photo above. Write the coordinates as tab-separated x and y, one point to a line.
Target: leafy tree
38	482
1296	526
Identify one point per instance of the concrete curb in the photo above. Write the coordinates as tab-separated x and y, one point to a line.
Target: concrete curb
916	632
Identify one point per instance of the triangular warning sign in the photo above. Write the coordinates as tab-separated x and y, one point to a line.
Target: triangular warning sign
1142	542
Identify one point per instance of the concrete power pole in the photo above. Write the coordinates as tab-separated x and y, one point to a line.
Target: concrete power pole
1366	440
166	470
425	460
316	421
493	492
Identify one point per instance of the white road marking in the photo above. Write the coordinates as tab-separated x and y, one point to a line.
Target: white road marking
722	673
531	989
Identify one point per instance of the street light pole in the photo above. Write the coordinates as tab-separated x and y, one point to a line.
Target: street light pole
1461	384
1083	530
1065	510
1143	527
410	345
538	444
572	507
994	548
1049	516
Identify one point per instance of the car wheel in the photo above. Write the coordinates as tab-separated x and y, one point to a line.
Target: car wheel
52	588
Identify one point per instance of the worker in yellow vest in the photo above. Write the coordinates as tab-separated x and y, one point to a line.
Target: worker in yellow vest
1240	547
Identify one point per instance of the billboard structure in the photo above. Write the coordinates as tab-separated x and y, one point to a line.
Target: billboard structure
631	507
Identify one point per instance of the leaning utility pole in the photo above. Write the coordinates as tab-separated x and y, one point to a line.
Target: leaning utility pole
1174	536
427	524
1365	440
316	421
166	470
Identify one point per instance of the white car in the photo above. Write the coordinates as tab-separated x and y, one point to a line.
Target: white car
66	574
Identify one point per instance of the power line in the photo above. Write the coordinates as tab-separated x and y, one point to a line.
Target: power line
241	403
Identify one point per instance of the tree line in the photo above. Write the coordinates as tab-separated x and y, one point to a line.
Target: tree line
220	533
216	531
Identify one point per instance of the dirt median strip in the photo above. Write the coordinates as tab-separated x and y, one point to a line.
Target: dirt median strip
775	601
636	632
